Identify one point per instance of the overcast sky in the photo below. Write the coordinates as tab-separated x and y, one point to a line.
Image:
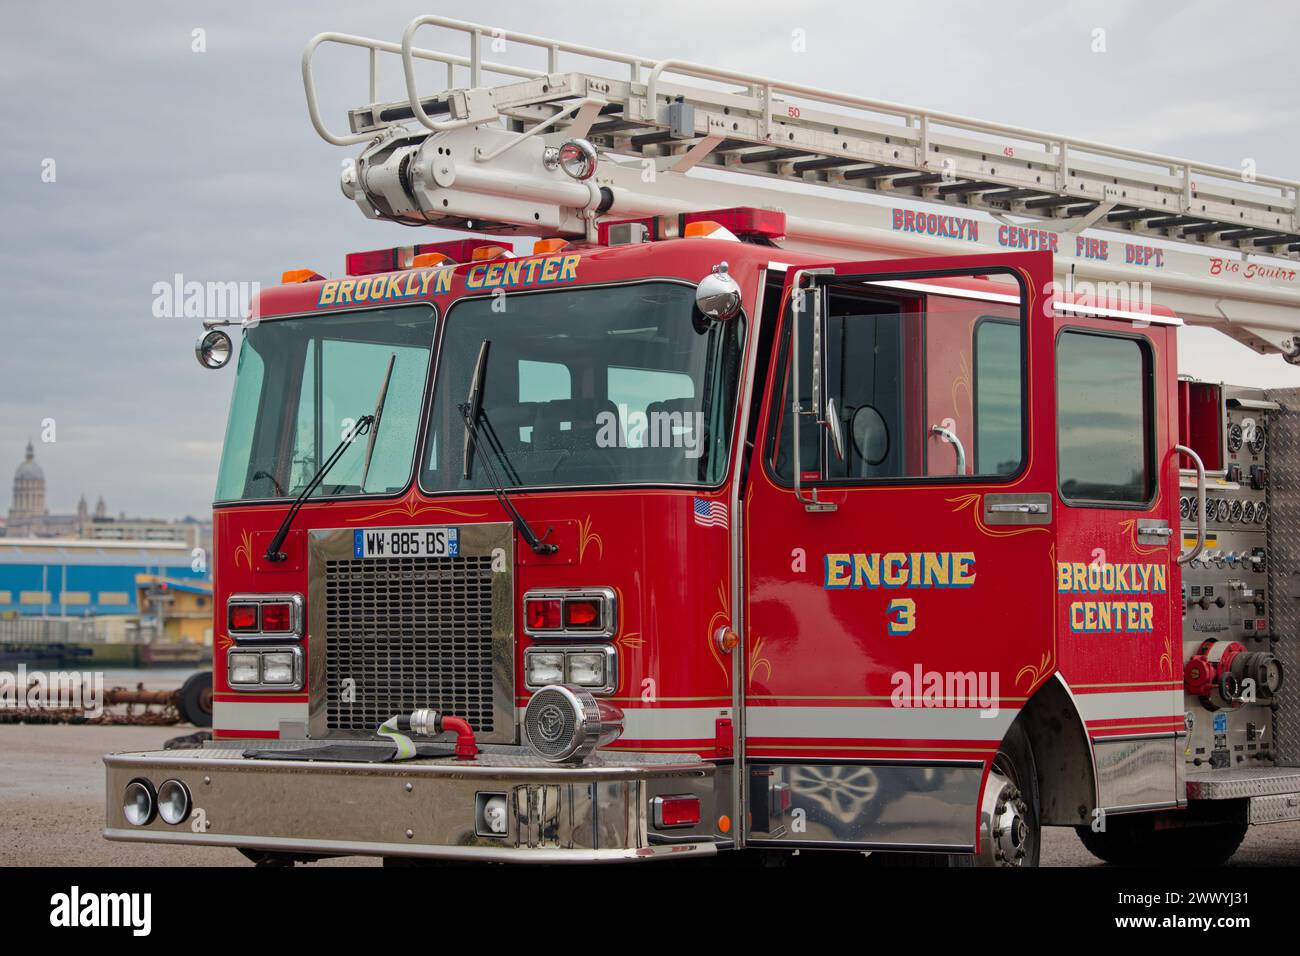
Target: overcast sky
204	164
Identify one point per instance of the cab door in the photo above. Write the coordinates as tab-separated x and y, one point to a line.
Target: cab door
899	529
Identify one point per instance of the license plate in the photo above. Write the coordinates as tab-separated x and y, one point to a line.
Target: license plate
406	543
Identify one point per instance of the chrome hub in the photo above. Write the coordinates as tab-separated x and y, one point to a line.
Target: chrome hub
1004	825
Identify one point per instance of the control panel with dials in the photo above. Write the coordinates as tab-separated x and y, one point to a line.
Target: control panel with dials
1231	676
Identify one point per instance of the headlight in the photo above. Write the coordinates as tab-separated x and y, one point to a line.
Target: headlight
277	668
138	803
586	669
593	667
245	668
564	723
173	802
265	668
544	668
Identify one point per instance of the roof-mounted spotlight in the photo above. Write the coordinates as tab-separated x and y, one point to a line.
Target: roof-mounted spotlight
213	349
577	157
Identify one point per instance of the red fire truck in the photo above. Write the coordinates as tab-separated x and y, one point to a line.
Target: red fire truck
778	470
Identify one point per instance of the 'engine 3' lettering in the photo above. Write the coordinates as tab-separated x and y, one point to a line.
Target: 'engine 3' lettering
901	569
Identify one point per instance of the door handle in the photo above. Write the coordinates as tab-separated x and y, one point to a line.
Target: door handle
1018	508
1023	507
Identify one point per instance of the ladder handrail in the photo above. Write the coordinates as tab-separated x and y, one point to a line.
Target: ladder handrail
376	47
475	33
903	111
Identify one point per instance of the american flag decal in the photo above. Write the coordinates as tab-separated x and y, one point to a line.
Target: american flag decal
711	514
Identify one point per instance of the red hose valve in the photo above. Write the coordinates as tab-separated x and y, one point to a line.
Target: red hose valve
466	747
1199	675
430	723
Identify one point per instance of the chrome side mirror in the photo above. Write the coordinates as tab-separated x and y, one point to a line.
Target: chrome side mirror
718	295
213	349
835	427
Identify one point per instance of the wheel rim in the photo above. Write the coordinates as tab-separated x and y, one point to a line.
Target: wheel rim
1004	822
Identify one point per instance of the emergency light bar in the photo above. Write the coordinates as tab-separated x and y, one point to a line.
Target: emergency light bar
398	258
743	222
746	223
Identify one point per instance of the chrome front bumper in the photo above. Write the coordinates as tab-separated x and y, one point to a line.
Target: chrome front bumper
599	811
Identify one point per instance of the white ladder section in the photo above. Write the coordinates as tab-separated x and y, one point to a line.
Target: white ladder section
470	156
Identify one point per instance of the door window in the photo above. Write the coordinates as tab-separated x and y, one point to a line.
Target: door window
1104	421
925	385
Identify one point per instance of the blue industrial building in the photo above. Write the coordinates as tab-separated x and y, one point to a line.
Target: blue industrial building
58	577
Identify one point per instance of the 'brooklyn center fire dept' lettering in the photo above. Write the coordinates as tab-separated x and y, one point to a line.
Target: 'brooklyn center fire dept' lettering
1076	577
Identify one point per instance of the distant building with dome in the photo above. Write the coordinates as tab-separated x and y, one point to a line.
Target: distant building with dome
29	516
29	489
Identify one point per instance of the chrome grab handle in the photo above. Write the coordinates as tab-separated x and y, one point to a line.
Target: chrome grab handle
951	436
1024	507
1186	556
1158	532
798	305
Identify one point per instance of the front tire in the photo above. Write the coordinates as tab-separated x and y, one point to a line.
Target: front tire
1011	832
1010	818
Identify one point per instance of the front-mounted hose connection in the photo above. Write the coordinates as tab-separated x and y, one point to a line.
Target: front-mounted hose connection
428	723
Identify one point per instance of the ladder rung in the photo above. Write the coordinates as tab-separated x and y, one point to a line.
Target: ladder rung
1051	202
771	155
876	172
829	162
921	179
1011	195
958	189
1204	227
1129	215
651	139
1237	235
613	126
1170	222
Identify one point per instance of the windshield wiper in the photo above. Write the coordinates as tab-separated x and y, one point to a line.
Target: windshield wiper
378	416
273	552
472	410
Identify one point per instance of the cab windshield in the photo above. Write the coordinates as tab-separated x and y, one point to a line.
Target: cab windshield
615	385
302	385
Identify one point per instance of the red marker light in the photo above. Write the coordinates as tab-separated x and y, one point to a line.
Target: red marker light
543	614
582	613
277	617
242	617
678	811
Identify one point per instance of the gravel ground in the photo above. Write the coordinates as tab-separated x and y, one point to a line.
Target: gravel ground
52	808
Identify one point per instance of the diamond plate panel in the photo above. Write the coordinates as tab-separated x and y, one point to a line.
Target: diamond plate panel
1282	808
1283	456
1233	784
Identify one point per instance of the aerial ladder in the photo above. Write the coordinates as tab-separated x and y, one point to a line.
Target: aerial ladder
508	149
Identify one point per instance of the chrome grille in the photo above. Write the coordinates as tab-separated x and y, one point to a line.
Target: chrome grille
409	633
